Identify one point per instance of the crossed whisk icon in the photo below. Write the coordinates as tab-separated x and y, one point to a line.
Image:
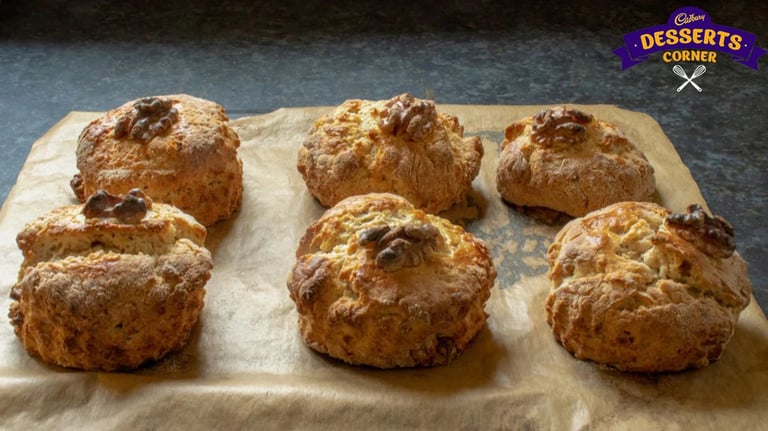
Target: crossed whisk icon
679	71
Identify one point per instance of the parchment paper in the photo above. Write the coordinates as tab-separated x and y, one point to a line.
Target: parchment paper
247	368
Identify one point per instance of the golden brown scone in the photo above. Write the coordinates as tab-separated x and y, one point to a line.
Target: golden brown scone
111	284
569	161
179	149
641	289
401	146
378	282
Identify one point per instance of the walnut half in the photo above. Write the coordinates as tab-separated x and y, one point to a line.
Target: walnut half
130	209
410	117
712	235
151	116
401	246
559	126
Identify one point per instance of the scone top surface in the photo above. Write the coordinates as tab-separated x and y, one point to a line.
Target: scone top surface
179	149
401	146
572	162
641	289
380	283
68	230
109	293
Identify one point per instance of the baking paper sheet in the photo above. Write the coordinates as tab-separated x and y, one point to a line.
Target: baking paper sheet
247	368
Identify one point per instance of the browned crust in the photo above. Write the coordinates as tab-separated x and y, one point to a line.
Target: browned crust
193	166
348	153
65	231
96	294
598	167
631	293
353	310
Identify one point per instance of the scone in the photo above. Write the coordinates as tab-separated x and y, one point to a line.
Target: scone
111	284
401	146
642	289
569	161
378	282
178	149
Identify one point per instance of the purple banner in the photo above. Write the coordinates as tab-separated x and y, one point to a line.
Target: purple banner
689	28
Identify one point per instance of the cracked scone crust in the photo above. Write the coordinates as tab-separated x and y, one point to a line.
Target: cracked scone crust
380	283
571	162
97	294
191	163
401	146
630	291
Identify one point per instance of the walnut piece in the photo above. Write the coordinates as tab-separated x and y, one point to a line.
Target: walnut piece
410	117
401	246
712	235
150	117
559	126
76	183
130	209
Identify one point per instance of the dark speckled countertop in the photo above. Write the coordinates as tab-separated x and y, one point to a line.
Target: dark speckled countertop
257	56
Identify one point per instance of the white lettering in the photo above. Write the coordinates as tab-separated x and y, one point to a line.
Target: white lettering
682	18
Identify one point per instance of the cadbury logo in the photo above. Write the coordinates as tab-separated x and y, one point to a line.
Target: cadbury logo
690	35
683	18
